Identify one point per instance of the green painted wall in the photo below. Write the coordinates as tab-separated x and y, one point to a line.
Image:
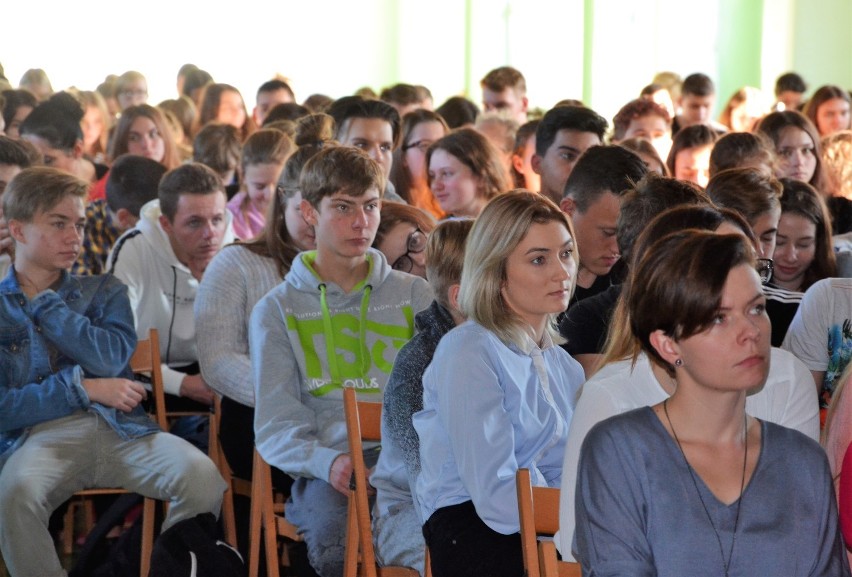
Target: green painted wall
739	47
822	42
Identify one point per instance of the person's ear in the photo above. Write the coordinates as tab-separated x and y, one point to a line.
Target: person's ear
453	295
77	151
535	162
666	346
525	103
16	231
309	213
166	224
568	205
125	218
518	163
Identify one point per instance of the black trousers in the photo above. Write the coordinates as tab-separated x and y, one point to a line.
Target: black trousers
461	545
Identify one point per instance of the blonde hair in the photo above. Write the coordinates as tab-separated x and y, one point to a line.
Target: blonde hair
837	163
500	228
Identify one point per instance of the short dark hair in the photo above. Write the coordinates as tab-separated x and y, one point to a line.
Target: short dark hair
274	86
676	287
57	121
340	169
15	153
790	82
690	137
603	169
133	181
745	190
217	146
651	196
458	111
402	94
285	111
577	118
15	99
349	107
190	178
734	149
697	84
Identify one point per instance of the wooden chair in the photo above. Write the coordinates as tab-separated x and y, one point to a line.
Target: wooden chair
145	359
363	423
267	520
235	485
538	508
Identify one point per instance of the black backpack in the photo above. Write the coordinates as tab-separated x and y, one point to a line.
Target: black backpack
191	548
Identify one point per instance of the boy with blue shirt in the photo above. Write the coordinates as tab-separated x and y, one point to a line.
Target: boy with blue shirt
336	321
70	417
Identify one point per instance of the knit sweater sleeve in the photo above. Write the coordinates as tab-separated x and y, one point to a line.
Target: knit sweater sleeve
223	307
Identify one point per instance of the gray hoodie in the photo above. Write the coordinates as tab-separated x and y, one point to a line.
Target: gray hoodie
308	339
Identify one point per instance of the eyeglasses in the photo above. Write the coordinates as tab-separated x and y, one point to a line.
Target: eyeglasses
421	145
416	243
765	268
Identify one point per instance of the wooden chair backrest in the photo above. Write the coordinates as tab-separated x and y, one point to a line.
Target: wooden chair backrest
538	509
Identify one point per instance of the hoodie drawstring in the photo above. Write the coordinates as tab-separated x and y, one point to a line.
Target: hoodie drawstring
330	353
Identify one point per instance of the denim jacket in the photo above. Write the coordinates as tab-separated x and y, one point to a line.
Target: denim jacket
48	345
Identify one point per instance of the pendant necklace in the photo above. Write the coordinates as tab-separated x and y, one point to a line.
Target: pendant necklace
725	564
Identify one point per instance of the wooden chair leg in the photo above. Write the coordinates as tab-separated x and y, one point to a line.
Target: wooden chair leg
68	528
350	560
228	516
270	536
148	514
255	520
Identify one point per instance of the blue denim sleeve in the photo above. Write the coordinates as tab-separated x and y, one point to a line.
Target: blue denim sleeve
57	396
100	339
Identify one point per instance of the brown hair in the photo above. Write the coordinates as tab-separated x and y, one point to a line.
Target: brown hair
118	147
620	343
474	150
735	149
676	287
505	77
394	213
745	190
399	175
340	169
636	109
217	146
266	146
773	125
38	189
190	178
274	240
803	199
820	97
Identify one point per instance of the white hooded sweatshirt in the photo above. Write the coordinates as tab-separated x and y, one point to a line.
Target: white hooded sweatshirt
161	290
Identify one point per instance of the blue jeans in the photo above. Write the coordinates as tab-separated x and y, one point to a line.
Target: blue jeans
82	451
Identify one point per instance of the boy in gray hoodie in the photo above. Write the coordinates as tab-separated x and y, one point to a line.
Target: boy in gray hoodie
338	320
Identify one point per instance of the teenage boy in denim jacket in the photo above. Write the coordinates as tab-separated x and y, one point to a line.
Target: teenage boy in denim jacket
69	417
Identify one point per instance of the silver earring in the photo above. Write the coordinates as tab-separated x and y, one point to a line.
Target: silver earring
679	363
